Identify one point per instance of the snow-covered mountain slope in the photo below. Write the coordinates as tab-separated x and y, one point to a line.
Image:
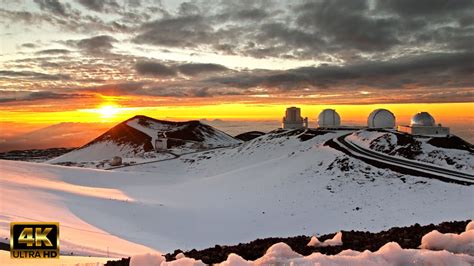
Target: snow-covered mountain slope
283	194
135	139
283	145
280	184
450	152
291	177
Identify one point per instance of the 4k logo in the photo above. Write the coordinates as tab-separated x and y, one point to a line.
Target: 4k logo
34	240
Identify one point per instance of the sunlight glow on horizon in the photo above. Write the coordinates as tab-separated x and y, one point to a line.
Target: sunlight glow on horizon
108	111
111	112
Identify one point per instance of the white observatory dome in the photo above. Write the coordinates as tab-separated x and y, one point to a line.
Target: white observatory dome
329	118
422	119
381	118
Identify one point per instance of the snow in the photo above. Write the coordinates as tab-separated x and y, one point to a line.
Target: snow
98	155
470	226
154	128
275	185
462	243
314	242
151	130
63	260
34	192
335	241
95	152
454	159
158	260
147	259
389	254
281	254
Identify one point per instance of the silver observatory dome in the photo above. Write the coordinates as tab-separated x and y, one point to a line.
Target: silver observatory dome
329	118
422	119
381	118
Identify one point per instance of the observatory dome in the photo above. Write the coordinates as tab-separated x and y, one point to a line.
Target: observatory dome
381	118
329	118
423	119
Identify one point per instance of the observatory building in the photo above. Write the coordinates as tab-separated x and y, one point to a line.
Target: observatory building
293	119
329	118
381	118
424	124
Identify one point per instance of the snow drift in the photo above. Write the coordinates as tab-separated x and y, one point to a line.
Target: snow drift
335	241
389	254
462	243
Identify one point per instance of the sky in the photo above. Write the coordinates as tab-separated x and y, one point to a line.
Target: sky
99	62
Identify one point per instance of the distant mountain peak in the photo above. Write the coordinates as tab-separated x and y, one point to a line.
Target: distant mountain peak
137	136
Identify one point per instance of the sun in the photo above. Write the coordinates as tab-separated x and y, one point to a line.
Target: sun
108	111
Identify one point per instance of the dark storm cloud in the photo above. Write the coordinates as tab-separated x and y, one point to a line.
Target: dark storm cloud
42	95
134	3
19	16
196	69
32	75
154	69
160	89
432	70
280	40
100	5
53	6
97	45
346	30
248	14
347	25
387	46
53	51
125	88
96	5
187	31
67	17
158	69
203	92
29	45
188	9
432	8
327	30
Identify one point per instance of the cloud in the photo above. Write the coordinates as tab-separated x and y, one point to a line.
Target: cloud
323	30
250	14
393	49
124	88
53	6
19	16
97	45
33	75
435	9
431	70
347	25
29	45
196	69
186	31
155	69
100	5
53	51
41	95
203	92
